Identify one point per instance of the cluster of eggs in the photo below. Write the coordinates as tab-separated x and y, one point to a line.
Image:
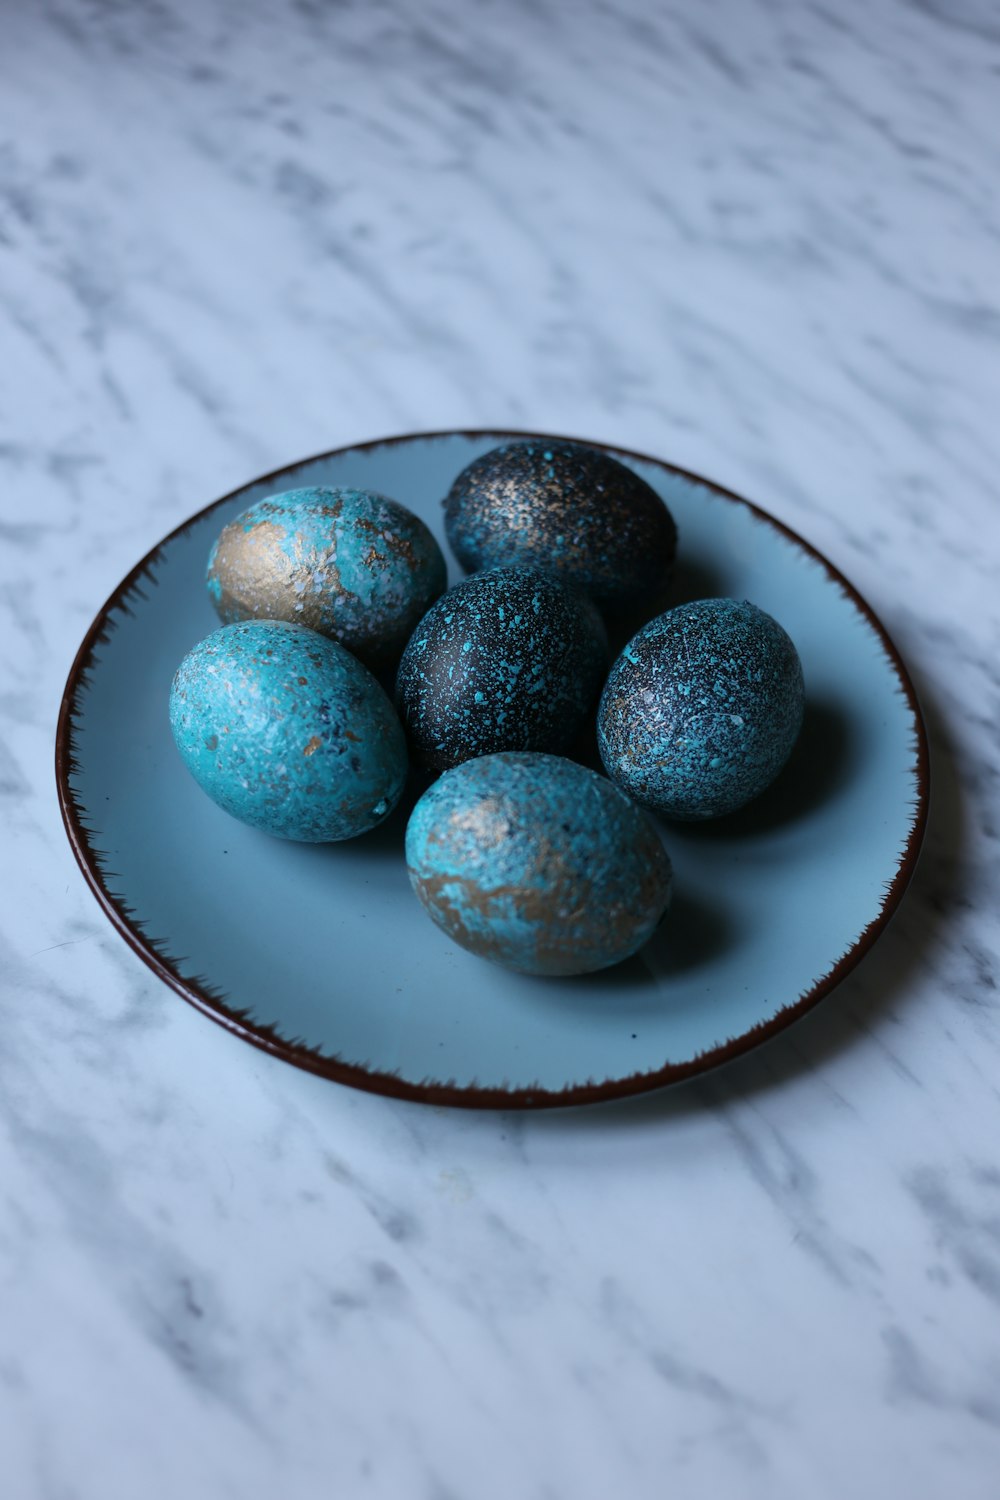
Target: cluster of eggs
517	851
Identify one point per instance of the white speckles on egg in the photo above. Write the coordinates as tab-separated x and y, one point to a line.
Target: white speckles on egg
702	708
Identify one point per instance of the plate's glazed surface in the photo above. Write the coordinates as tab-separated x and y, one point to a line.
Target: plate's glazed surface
322	955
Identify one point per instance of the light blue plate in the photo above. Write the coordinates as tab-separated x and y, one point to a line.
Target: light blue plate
321	955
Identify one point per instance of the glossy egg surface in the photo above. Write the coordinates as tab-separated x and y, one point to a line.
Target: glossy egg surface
287	731
509	659
702	708
537	863
351	564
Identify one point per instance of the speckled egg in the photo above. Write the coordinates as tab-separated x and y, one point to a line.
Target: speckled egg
288	732
537	863
353	565
570	510
702	708
506	660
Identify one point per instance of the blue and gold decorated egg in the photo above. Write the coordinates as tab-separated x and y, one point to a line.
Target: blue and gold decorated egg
288	731
537	863
353	565
570	510
507	660
702	708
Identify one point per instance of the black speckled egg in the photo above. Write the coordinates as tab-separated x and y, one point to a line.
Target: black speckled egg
507	660
569	510
702	708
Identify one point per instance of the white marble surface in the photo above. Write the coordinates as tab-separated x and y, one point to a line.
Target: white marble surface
760	240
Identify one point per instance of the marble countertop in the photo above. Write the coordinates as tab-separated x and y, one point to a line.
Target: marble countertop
759	240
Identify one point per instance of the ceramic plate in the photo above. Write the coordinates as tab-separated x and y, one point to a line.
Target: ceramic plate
321	955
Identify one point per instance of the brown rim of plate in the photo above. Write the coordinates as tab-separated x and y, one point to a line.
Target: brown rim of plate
199	993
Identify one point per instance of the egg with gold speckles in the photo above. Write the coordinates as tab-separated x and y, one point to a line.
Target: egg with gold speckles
701	710
351	564
569	509
507	660
538	864
288	732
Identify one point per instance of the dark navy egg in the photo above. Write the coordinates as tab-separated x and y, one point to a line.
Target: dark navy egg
351	564
287	731
507	660
569	510
537	863
702	708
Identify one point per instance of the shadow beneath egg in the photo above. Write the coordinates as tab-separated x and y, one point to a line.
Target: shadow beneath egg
385	842
822	762
688	581
693	580
584	748
692	932
386	679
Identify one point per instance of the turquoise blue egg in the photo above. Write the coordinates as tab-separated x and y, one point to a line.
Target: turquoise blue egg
287	731
351	564
537	863
702	708
510	659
